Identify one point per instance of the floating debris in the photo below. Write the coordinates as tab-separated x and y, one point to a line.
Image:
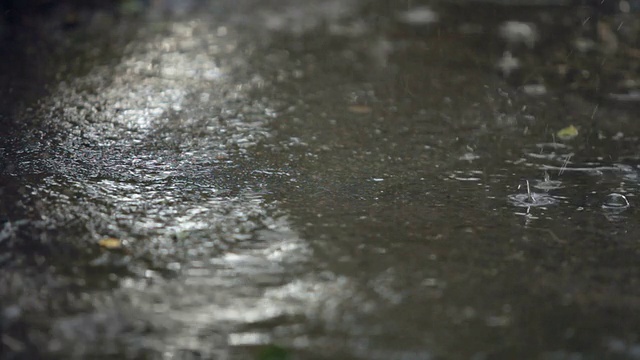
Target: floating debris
567	133
359	109
110	243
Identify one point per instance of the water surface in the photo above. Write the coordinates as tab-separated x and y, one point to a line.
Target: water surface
333	180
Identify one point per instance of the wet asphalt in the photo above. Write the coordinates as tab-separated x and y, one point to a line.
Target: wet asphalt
327	180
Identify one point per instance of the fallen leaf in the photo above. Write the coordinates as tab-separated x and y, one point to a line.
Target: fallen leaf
567	133
110	243
359	109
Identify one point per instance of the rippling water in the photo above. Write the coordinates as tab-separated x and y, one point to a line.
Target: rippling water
339	179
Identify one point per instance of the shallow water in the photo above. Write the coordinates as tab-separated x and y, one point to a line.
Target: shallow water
334	180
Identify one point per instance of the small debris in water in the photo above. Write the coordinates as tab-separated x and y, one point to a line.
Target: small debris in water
110	243
567	133
359	109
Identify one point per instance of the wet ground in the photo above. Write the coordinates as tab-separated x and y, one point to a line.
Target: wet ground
319	180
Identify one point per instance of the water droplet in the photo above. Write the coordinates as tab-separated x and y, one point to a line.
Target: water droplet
539	199
548	185
615	201
530	198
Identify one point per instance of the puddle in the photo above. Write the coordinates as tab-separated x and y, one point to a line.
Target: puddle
327	180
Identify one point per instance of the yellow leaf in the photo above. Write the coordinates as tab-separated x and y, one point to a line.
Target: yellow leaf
360	109
110	243
568	133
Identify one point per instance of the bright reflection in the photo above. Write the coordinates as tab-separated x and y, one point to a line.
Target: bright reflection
206	253
247	285
156	173
166	71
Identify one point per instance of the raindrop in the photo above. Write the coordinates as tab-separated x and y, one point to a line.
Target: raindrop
614	207
615	201
548	184
530	199
539	199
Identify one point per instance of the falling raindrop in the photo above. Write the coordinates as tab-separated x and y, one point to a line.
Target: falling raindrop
531	199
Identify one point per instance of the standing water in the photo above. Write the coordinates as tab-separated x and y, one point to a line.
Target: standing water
319	180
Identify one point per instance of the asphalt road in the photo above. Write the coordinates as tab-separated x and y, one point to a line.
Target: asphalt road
319	180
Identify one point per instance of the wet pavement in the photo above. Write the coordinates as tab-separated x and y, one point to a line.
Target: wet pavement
327	180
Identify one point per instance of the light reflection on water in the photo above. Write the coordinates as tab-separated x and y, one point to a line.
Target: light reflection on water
176	211
382	251
213	294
